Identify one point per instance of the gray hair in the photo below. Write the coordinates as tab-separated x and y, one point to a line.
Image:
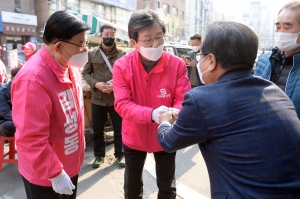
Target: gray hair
293	5
233	44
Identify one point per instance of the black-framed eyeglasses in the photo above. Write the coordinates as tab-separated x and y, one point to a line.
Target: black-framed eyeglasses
82	46
149	42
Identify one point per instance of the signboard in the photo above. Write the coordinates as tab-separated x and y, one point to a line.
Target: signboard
19	18
33	39
18	29
125	4
3	75
13	55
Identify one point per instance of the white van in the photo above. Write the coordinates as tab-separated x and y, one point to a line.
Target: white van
177	48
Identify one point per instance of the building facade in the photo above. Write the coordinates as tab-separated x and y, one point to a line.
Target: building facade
94	12
17	26
172	13
260	19
199	13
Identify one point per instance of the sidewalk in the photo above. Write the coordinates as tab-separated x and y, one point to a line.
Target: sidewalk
104	182
107	181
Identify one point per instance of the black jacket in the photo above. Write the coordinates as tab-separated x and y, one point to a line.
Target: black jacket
5	103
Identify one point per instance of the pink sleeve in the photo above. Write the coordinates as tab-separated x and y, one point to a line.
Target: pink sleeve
182	87
124	104
31	112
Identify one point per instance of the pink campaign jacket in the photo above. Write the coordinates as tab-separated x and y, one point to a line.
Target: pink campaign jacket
48	113
137	93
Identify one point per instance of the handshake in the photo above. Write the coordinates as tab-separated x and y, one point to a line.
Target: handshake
156	113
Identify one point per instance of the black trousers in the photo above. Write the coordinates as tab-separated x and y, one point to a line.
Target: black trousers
40	192
7	128
99	114
165	173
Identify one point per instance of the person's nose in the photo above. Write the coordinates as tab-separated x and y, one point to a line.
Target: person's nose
155	43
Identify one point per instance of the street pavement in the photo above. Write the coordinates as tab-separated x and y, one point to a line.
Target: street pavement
107	181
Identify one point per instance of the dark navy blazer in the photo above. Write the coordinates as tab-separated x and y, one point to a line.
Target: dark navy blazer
247	130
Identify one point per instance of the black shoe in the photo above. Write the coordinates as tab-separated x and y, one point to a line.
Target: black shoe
98	161
121	161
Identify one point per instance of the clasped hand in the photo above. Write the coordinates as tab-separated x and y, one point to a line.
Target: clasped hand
164	113
104	87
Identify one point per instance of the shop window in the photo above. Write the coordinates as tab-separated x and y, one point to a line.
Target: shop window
18	6
146	4
181	15
18	9
157	4
17	3
174	11
166	8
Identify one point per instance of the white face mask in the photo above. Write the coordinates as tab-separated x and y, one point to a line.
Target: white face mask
286	41
199	71
78	60
196	48
152	54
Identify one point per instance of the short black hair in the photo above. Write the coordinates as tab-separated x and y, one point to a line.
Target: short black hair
196	36
63	26
233	44
141	19
15	71
106	26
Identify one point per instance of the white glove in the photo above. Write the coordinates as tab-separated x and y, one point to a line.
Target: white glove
62	184
157	112
174	110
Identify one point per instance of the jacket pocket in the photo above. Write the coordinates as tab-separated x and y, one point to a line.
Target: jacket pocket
97	94
219	196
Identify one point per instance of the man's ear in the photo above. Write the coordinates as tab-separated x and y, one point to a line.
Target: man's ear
57	48
212	62
133	43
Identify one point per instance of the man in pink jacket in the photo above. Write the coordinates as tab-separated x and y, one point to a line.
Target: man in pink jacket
147	82
48	110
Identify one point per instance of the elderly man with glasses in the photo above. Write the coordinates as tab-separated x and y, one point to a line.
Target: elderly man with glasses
47	109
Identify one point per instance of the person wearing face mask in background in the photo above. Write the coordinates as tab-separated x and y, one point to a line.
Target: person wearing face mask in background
98	74
29	49
48	110
282	64
246	127
147	82
191	62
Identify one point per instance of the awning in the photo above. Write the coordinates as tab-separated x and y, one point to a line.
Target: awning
95	24
91	21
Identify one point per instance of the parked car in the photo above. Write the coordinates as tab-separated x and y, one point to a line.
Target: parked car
176	48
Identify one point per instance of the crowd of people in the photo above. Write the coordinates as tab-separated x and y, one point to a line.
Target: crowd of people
246	126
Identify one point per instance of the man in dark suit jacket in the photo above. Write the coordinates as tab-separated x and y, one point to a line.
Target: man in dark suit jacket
246	127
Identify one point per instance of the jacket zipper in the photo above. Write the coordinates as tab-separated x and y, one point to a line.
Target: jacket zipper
289	74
